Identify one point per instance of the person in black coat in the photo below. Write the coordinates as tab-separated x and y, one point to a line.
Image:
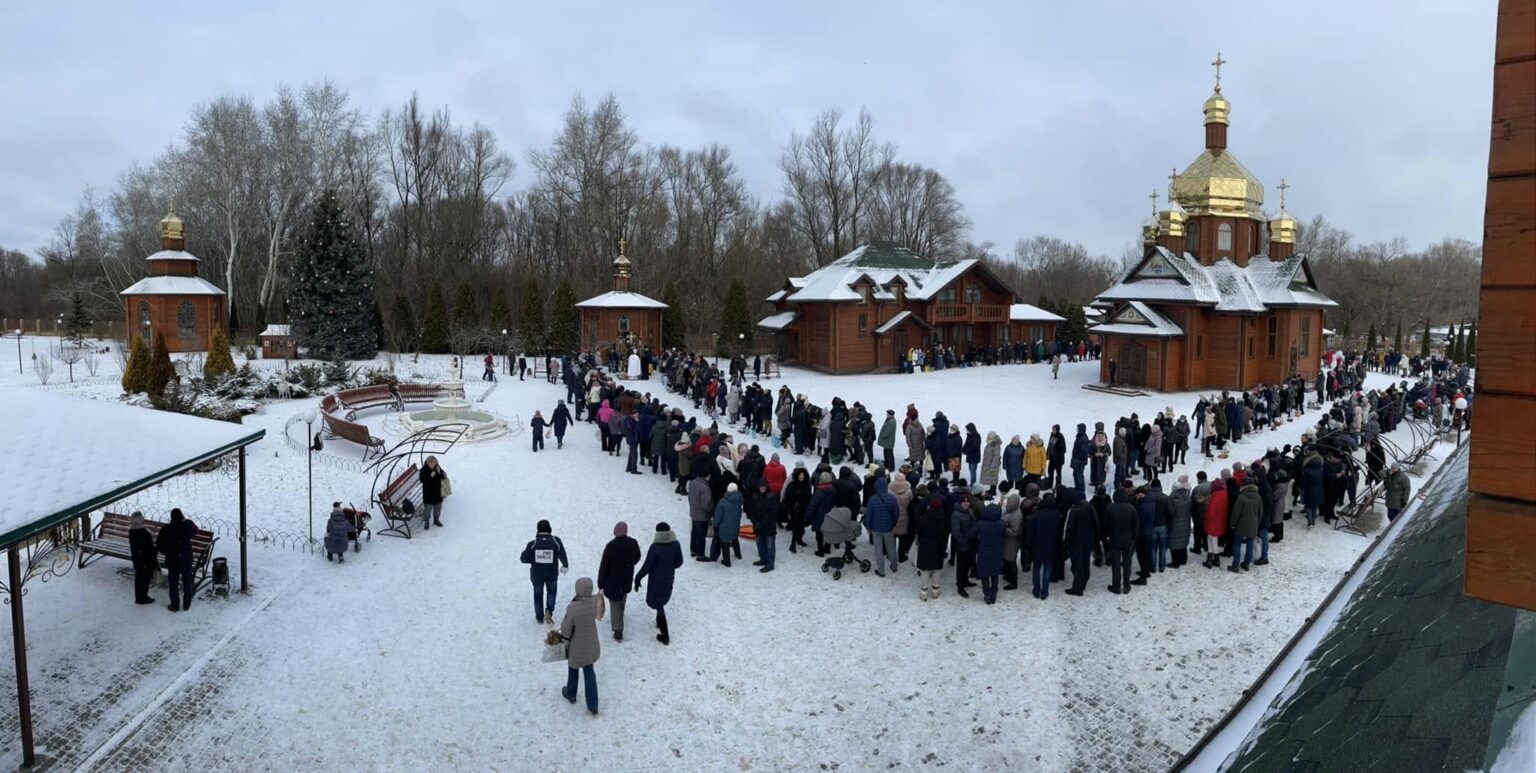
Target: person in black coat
559	422
1042	535
1055	455
933	531
141	547
432	477
1082	539
971	447
794	501
662	560
175	542
1080	451
1120	520
616	571
762	509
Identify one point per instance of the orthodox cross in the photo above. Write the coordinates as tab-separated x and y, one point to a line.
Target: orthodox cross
1282	186
621	245
1153	197
1217	64
171	201
1173	179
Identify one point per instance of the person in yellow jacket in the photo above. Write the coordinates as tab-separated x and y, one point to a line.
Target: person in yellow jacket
1034	459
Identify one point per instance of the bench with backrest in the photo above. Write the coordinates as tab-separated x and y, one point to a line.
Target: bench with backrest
364	398
1348	514
110	538
421	393
392	502
357	433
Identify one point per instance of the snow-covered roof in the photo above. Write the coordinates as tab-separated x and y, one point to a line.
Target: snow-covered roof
1138	319
173	255
1092	312
70	455
172	285
275	330
879	263
614	299
776	297
1028	312
1163	277
778	321
896	321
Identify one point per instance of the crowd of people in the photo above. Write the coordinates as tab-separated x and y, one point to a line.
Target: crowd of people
951	500
940	357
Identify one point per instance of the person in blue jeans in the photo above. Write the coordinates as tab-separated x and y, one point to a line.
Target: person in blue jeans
1160	547
545	556
582	645
1042	535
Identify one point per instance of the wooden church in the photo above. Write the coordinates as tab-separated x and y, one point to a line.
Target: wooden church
1219	299
173	300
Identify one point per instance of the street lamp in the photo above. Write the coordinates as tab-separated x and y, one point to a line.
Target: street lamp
313	441
19	369
506	350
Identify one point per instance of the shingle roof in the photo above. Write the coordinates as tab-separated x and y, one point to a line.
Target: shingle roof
880	262
1163	277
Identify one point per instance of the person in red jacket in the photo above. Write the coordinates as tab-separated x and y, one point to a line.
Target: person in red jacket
775	474
1216	521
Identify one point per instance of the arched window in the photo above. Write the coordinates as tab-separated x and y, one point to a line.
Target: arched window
186	320
1192	239
146	318
1224	237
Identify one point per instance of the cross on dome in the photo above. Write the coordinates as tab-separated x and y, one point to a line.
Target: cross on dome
1282	187
1217	64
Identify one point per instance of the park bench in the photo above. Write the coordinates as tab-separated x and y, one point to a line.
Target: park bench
392	502
363	398
1348	514
110	538
421	393
357	433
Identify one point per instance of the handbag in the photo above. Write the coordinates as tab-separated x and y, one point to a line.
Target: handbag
447	486
601	606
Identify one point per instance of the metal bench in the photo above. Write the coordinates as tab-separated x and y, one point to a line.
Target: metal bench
110	538
1348	514
392	502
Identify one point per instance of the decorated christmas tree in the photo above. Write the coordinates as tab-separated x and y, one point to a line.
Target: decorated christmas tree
330	297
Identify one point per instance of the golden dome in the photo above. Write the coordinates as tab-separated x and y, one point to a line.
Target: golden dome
1149	230
1219	185
1171	220
1282	227
170	225
1217	108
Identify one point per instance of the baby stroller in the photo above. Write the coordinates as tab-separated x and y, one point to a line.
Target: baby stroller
359	520
839	529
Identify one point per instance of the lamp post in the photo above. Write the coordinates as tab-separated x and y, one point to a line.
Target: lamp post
19	369
310	416
506	350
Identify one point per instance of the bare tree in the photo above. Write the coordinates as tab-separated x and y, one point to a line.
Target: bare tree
223	169
1046	267
829	176
916	207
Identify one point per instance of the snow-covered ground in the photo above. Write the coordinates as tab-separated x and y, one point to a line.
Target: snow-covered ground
423	654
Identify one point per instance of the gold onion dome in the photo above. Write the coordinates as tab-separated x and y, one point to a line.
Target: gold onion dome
1217	109
621	264
1282	227
170	225
1171	220
1149	229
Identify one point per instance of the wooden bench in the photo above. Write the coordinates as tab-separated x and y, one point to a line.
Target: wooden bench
421	393
392	501
1348	514
110	538
361	399
338	427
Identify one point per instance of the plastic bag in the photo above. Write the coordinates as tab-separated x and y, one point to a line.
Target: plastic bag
554	647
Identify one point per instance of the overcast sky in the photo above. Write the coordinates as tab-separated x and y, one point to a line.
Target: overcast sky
1049	117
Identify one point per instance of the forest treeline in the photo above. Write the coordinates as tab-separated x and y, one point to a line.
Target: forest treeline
438	203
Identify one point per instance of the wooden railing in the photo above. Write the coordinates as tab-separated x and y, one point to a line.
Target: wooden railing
969	312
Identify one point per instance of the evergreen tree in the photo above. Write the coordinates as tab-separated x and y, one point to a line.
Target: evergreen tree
330	295
1370	338
434	326
736	328
136	374
78	324
466	308
564	320
501	311
219	363
1461	343
674	324
1452	341
1344	337
1397	343
161	371
1471	351
402	320
530	320
1424	341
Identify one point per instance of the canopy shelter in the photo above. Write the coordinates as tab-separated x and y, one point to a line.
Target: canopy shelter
65	457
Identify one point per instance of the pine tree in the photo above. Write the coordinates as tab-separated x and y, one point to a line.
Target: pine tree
1461	343
78	324
1397	343
501	311
674	323
330	296
434	326
1424	341
1344	338
1471	351
161	371
1370	338
219	363
466	308
736	328
530	320
136	374
1452	340
564	320
402	320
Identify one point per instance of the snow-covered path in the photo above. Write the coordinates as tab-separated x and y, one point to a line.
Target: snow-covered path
423	653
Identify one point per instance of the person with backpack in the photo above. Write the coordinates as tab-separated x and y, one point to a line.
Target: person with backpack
545	556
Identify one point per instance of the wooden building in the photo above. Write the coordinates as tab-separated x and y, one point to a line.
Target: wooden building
277	343
620	316
173	300
862	311
1030	324
1501	511
1219	299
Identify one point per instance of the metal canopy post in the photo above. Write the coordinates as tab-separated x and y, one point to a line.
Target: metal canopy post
244	586
19	632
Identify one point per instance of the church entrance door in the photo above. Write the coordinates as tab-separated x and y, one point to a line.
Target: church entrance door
1133	363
